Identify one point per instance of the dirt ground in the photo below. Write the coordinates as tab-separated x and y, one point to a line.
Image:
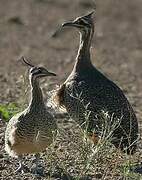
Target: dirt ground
26	28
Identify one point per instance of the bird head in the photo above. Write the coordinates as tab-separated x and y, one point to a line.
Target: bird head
82	23
37	72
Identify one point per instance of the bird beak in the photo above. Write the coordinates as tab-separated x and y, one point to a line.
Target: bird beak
50	74
70	24
66	24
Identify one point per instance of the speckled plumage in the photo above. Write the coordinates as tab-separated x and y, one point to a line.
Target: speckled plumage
87	92
32	130
29	132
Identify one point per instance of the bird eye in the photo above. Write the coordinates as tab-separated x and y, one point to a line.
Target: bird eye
80	21
39	71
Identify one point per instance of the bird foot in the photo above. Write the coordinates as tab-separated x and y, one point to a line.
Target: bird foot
22	169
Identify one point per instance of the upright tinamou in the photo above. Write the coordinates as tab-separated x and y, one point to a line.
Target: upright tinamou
87	93
32	130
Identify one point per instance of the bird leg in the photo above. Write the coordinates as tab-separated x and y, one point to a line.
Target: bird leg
37	156
38	169
22	168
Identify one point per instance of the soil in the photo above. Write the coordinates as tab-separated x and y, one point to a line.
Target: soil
26	29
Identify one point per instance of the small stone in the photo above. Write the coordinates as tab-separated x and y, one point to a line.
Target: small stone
1	135
2	167
98	175
1	156
15	20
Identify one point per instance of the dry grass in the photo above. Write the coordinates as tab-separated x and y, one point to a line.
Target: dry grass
78	158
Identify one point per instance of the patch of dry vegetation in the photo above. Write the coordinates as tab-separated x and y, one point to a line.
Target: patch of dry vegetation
78	158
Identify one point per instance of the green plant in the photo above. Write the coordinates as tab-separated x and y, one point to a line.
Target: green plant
8	110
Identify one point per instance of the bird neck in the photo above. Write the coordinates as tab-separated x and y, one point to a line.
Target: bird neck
83	59
36	102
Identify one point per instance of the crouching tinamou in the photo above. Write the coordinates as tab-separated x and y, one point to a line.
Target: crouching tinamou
88	90
32	130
